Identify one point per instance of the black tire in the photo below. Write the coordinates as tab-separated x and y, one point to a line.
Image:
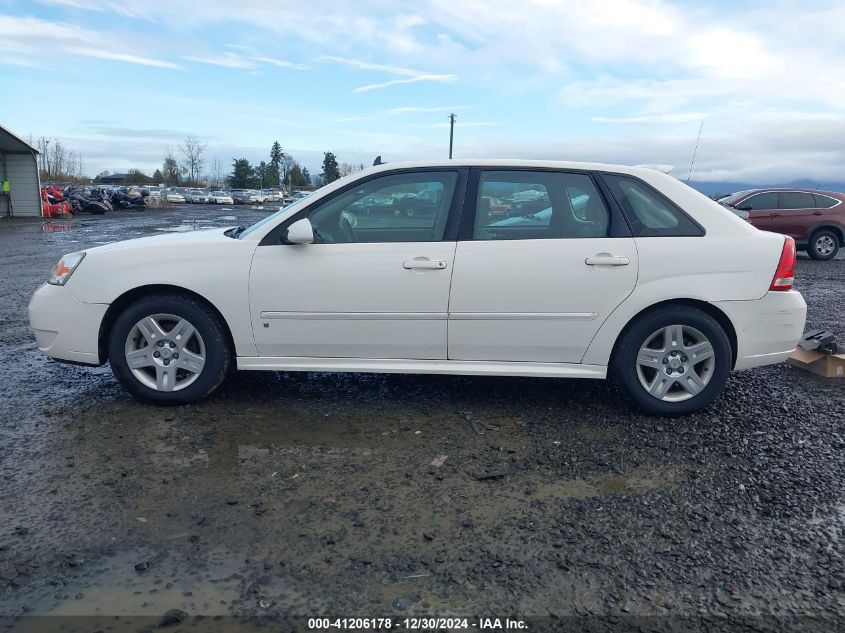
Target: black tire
624	363
817	239
218	353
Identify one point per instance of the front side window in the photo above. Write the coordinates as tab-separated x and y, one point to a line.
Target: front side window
407	207
518	205
760	202
649	212
797	200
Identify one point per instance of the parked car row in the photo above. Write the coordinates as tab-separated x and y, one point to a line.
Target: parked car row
229	196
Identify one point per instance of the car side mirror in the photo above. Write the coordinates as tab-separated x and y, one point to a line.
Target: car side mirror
300	232
745	207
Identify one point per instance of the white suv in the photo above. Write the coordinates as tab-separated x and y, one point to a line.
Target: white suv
626	273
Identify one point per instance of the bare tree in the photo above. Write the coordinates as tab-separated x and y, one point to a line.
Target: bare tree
192	162
170	168
57	159
215	174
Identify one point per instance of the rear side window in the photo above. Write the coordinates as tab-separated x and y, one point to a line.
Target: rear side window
797	200
824	202
526	205
649	212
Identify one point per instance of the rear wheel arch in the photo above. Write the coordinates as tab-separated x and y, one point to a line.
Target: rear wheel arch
834	228
131	296
708	308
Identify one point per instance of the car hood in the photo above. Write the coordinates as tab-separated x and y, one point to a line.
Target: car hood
174	237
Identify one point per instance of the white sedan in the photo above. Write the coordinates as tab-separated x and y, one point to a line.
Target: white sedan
175	197
220	197
629	274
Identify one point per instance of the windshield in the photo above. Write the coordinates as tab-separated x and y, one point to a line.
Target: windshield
733	198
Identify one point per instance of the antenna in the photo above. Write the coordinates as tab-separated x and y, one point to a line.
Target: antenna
452	118
695	151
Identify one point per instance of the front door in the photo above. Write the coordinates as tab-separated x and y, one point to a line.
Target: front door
536	286
375	282
763	209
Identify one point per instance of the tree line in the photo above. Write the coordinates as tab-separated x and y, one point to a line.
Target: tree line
56	162
187	167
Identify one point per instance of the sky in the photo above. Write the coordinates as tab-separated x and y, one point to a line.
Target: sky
617	81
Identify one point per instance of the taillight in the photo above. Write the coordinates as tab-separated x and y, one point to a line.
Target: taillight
785	273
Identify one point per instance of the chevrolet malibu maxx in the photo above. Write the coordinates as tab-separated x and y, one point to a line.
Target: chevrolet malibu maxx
627	274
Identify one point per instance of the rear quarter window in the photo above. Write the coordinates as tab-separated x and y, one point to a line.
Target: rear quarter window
650	213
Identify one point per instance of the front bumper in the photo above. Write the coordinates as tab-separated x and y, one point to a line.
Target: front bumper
66	328
767	329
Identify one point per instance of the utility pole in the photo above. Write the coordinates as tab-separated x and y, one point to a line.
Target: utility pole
452	118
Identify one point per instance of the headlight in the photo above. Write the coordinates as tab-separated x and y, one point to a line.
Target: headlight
64	269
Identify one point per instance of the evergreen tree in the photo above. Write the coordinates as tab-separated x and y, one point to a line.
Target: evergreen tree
243	175
275	175
331	170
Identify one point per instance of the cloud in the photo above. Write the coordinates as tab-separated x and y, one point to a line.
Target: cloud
251	60
41	42
122	57
466	124
131	132
226	60
673	117
617	79
421	110
409	80
409	75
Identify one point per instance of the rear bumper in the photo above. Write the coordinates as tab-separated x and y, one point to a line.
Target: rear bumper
65	328
767	329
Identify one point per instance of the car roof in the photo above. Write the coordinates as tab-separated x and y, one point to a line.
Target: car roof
835	194
515	162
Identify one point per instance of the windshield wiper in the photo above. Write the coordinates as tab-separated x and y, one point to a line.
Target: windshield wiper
234	233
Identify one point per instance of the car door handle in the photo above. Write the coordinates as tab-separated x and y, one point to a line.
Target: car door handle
817	212
435	264
607	260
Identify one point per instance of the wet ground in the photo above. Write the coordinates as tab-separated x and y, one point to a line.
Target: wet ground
307	493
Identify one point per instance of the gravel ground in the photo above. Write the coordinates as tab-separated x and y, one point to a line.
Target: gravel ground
307	493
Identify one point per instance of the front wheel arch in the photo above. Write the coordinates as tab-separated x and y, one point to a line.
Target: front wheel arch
131	296
721	318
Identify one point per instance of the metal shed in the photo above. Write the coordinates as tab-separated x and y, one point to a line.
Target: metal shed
20	185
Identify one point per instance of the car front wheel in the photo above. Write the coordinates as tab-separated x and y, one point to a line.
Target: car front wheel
824	245
169	350
673	360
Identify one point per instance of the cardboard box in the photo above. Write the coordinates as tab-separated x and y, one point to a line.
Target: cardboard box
827	365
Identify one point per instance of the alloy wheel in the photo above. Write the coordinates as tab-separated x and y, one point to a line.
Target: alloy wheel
675	363
165	352
825	245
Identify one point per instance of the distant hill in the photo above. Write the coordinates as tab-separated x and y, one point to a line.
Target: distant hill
709	188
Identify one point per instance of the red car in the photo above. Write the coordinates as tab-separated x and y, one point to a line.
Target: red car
814	219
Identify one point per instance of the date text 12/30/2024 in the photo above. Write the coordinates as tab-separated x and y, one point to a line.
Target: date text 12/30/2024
416	624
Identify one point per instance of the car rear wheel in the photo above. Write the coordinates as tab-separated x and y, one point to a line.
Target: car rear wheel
169	350
823	245
673	360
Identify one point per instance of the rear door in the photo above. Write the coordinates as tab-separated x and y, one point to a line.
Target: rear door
797	213
536	286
